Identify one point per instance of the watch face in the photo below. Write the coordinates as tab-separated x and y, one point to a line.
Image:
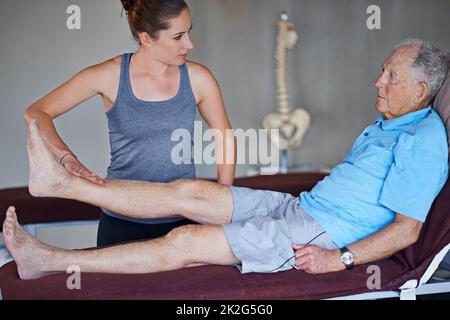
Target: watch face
347	258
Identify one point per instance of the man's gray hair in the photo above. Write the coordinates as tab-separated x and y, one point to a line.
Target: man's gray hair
430	65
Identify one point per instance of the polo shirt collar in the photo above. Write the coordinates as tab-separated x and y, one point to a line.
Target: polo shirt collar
409	118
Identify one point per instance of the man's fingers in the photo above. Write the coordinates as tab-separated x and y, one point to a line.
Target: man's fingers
302	265
302	252
302	260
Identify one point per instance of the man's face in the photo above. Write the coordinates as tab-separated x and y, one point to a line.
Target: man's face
396	87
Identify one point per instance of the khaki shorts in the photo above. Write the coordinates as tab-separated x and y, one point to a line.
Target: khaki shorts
265	226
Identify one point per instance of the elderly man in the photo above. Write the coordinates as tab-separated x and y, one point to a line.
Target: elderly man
372	205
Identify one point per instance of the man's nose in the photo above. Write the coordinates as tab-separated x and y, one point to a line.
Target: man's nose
379	82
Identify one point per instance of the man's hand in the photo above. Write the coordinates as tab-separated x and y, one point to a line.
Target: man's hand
315	260
400	234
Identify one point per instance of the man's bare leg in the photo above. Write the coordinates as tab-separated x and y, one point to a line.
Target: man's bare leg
201	201
183	247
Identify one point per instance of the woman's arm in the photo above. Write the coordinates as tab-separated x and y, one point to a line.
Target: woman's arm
212	109
80	88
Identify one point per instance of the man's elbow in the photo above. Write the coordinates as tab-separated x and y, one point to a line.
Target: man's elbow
409	228
415	233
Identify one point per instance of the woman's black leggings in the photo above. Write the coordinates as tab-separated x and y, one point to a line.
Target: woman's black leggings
113	231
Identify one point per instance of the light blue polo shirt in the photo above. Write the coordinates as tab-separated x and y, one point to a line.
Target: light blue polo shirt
395	166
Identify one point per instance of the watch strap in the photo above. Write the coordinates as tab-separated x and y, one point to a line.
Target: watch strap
344	249
347	266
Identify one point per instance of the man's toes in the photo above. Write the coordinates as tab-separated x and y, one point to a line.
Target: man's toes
9	220
14	216
10	209
8	228
11	213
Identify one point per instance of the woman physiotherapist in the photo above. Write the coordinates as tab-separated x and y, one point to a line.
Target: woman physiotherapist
148	95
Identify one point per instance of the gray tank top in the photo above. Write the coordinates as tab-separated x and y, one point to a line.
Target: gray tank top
140	134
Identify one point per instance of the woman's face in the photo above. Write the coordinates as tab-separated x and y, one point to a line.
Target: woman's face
174	44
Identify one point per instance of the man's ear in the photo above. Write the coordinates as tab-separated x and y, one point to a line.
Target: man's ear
421	92
145	39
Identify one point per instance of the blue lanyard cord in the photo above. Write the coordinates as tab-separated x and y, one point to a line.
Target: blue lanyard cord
294	255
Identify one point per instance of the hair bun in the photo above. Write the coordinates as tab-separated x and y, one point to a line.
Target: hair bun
127	4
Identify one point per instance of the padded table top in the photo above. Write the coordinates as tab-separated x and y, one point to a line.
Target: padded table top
226	283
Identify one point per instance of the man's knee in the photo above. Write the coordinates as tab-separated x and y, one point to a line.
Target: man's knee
189	189
182	239
183	235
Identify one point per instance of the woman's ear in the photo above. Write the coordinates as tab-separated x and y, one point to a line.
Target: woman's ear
145	39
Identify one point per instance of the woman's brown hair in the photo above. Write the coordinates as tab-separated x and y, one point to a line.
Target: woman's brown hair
151	16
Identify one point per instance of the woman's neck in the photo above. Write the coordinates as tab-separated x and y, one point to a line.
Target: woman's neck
146	62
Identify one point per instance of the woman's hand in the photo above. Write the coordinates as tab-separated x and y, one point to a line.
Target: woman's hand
76	168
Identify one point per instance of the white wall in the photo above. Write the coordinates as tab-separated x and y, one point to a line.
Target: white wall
332	69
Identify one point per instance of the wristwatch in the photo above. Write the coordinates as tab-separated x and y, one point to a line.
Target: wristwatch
347	258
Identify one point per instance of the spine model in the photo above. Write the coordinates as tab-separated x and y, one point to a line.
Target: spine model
292	124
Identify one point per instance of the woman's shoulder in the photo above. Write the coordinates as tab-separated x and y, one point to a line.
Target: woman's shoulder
105	72
105	68
199	72
108	67
202	80
103	76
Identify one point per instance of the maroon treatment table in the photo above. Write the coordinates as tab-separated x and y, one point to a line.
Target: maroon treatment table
218	282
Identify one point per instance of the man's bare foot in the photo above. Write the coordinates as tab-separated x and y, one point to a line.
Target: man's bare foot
29	254
47	177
